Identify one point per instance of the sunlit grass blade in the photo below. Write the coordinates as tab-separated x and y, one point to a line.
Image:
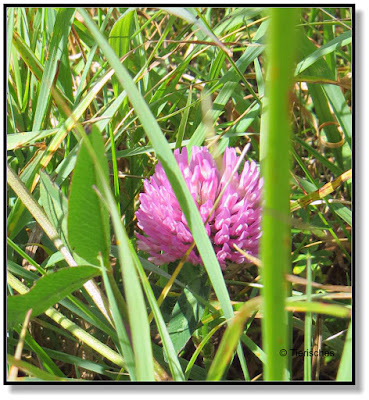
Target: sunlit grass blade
169	350
62	26
343	40
322	192
123	339
318	307
34	371
230	339
345	368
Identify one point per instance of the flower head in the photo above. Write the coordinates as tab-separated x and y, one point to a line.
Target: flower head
235	220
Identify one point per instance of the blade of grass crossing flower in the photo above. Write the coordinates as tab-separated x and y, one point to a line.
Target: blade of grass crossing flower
275	166
138	319
173	172
135	301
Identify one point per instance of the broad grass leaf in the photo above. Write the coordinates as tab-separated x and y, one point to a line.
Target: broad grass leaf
119	40
55	205
88	218
47	291
185	317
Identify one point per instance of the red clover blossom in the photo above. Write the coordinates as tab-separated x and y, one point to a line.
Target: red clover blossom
235	221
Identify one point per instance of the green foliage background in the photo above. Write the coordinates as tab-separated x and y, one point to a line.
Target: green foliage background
94	98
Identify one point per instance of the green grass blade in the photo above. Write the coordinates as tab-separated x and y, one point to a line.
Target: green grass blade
137	314
230	339
123	339
47	363
60	35
342	40
138	319
48	290
308	323
71	327
35	371
169	349
230	82
345	368
275	167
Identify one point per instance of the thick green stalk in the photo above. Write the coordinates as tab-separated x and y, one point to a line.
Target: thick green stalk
275	167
